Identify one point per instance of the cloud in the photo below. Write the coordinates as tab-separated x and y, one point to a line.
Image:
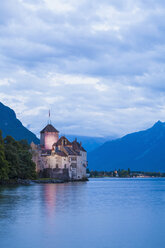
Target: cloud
99	66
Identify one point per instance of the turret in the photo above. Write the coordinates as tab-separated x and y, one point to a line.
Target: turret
48	136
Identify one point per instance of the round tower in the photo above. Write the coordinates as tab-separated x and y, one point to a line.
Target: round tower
48	136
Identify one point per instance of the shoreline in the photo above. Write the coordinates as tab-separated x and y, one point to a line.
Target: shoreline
12	182
38	181
143	177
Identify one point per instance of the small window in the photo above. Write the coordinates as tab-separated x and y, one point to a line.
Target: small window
65	166
56	166
73	165
73	159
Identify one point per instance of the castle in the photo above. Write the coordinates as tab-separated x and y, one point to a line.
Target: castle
58	157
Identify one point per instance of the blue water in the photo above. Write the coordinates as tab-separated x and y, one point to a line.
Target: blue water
110	213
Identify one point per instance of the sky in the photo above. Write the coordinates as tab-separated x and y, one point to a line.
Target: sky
99	66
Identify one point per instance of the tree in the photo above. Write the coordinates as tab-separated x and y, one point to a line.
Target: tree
4	169
26	165
11	153
19	158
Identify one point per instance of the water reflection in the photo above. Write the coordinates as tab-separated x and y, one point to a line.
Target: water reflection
100	213
62	198
49	194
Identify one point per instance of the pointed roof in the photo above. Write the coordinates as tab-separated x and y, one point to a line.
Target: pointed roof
77	146
60	142
50	129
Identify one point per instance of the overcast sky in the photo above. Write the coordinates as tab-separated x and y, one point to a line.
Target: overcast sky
98	65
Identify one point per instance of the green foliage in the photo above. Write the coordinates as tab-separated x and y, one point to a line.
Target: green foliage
4	169
15	159
11	148
123	173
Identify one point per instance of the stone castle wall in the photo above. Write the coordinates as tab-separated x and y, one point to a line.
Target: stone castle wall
62	174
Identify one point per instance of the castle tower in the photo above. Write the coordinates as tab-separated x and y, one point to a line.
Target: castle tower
48	136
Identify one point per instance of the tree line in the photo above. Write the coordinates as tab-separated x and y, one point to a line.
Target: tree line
15	159
124	173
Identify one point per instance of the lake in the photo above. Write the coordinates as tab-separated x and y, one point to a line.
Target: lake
101	213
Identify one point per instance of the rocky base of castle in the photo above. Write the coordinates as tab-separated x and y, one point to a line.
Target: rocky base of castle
13	182
49	180
52	180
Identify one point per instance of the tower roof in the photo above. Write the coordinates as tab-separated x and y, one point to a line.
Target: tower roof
50	129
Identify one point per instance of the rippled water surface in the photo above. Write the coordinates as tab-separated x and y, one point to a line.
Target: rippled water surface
112	213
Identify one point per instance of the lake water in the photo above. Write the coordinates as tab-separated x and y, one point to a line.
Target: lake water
101	213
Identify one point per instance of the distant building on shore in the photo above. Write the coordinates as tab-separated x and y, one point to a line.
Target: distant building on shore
58	157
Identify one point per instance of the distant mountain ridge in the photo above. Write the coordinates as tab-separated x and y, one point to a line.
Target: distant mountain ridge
144	150
90	143
10	125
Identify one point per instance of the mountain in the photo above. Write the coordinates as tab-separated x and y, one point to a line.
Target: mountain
10	125
140	151
90	143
